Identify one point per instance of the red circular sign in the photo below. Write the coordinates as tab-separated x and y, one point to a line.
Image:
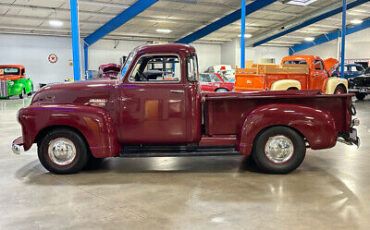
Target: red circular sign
53	58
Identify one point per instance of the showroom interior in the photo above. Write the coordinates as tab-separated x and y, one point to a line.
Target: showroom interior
184	114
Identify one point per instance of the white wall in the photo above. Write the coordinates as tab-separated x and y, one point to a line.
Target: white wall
357	47
33	51
231	53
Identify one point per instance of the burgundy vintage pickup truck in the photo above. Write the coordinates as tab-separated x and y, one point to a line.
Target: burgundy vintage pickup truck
150	112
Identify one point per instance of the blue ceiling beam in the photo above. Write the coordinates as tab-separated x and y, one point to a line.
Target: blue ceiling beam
228	19
328	37
311	21
119	20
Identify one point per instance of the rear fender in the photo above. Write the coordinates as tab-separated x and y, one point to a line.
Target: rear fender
317	126
286	84
95	124
332	84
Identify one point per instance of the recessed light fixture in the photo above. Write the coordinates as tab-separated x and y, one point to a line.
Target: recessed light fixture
357	21
164	31
309	39
300	2
55	23
245	35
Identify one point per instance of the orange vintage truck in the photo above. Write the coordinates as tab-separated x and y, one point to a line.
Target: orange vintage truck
295	73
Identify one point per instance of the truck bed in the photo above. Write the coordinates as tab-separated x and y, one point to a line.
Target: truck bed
233	107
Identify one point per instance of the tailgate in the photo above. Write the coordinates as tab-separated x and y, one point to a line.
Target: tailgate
248	82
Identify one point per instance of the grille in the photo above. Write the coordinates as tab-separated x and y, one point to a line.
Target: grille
361	81
3	88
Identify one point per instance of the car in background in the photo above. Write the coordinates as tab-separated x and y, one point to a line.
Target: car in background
350	70
13	81
110	70
224	70
214	82
360	85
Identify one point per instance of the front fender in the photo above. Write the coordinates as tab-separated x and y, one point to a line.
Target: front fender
317	126
286	84
332	84
95	124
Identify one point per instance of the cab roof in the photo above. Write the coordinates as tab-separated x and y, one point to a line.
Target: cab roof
166	48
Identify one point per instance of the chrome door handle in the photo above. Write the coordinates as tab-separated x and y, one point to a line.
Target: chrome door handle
176	91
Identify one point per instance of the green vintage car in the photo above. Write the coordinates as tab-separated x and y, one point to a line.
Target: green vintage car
14	82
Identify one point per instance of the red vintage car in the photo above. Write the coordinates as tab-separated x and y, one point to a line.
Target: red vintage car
143	115
213	82
110	70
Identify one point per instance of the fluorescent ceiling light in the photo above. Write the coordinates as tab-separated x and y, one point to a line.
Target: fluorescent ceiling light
164	31
301	2
309	39
357	21
55	23
245	35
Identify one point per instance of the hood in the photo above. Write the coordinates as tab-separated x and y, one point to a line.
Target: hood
331	65
74	92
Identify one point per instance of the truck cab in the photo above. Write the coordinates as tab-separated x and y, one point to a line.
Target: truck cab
14	82
157	109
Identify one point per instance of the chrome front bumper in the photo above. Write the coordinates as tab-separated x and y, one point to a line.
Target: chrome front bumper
17	145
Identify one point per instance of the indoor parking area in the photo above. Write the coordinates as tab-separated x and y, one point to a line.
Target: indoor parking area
185	114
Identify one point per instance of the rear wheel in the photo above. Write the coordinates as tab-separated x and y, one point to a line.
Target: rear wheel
279	150
222	90
340	90
360	96
63	151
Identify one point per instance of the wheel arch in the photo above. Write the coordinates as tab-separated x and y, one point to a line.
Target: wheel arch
316	126
333	83
286	84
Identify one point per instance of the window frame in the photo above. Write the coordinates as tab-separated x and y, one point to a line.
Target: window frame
187	67
156	82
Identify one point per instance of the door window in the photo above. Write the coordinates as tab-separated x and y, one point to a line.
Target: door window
319	65
215	78
157	68
204	78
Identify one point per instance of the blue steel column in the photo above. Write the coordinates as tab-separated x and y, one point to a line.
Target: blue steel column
75	40
344	32
86	57
242	35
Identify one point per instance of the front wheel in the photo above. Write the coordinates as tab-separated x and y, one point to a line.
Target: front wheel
279	150
222	90
340	90
23	94
63	151
360	96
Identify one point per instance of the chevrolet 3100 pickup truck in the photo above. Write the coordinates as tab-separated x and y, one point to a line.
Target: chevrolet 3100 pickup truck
145	114
296	72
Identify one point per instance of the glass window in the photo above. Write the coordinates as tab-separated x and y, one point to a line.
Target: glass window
296	62
214	78
318	65
192	65
204	78
156	68
9	71
127	63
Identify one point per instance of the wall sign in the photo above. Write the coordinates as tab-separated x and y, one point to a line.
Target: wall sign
53	58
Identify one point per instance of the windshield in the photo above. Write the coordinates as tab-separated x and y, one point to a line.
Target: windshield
9	71
297	62
127	63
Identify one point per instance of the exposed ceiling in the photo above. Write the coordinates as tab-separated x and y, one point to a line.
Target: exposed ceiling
182	17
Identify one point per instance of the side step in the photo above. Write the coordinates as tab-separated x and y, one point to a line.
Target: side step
196	151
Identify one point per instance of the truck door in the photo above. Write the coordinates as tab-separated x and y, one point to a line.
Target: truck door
153	102
318	75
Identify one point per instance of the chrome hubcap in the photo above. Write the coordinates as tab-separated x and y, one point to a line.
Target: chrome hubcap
279	149
62	151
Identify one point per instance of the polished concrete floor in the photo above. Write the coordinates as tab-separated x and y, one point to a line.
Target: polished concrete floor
331	190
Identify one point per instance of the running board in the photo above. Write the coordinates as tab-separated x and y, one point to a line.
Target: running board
217	151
